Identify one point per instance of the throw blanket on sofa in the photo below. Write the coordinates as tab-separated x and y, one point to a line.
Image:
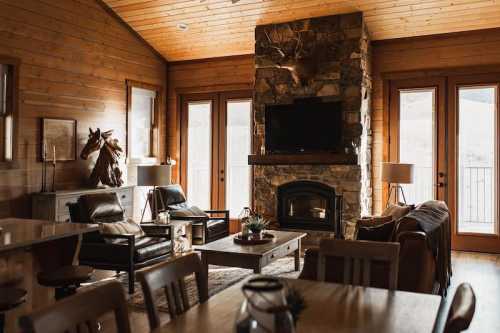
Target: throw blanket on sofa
432	217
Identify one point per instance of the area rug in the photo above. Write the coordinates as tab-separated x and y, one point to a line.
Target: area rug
219	278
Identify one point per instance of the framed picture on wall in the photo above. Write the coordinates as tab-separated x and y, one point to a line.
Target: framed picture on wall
58	139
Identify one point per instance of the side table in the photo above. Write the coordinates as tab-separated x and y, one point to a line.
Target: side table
180	231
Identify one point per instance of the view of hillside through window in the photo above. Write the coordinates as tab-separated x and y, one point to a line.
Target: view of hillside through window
476	160
416	141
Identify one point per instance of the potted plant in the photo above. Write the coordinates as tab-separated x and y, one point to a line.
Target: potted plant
256	224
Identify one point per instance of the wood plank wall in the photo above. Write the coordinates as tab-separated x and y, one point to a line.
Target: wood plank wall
75	58
465	49
197	76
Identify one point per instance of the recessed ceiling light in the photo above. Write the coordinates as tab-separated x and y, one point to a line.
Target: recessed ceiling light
182	26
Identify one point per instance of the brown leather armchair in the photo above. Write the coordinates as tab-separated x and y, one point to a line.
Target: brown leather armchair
208	225
128	248
420	269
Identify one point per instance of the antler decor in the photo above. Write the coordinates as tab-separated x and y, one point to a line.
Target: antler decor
287	51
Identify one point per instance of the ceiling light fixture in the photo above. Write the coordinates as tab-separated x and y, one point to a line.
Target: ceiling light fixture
182	26
232	1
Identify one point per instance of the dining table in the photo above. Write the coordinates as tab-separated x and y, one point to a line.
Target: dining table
329	307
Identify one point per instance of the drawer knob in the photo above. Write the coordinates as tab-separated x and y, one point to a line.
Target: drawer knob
123	196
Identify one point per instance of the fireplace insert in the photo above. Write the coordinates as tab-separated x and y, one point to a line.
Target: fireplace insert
309	205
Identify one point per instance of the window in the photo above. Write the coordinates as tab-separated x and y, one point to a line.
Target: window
142	121
8	89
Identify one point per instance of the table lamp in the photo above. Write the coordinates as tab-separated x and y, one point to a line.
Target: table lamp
396	174
153	175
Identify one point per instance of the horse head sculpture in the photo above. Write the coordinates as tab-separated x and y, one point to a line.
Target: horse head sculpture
106	169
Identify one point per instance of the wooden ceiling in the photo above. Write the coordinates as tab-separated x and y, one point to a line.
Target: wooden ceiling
220	28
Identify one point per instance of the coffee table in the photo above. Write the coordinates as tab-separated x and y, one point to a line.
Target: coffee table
224	252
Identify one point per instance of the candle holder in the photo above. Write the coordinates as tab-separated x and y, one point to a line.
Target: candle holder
44	168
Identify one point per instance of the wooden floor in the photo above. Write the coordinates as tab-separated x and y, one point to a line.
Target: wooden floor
482	271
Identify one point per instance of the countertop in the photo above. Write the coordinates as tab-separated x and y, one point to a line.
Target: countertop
18	233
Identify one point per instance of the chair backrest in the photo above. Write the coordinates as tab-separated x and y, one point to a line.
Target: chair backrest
461	310
172	195
358	257
97	208
80	313
169	276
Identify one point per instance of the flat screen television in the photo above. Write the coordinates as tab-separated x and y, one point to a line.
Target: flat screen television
304	127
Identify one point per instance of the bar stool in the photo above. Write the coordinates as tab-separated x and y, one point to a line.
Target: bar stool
65	280
10	298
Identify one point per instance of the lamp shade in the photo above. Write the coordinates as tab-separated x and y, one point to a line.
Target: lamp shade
154	175
399	173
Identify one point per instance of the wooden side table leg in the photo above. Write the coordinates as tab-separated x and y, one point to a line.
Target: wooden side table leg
297	257
204	264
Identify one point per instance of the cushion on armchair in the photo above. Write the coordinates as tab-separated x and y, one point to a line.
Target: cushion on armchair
122	228
189	212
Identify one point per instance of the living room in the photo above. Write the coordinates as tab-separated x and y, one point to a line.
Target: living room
330	154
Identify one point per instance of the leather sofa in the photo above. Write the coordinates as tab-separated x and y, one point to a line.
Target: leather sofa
208	225
420	268
120	245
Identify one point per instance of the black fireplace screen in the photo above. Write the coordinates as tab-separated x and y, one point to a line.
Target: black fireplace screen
309	205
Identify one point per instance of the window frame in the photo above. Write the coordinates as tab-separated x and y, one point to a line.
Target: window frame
154	153
14	111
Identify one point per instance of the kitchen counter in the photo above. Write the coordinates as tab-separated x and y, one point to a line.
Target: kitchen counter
20	233
28	247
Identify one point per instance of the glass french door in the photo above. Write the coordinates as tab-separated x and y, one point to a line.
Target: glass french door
474	155
199	140
416	133
216	139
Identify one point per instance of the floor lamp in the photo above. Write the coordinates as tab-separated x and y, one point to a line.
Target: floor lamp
154	175
395	174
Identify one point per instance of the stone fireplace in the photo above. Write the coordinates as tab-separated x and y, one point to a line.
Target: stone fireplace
309	205
325	58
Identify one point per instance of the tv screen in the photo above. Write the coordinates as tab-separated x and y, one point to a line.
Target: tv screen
304	127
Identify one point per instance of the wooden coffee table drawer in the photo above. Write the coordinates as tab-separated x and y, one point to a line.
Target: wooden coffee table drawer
280	252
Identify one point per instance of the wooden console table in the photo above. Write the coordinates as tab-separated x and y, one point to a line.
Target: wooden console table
53	206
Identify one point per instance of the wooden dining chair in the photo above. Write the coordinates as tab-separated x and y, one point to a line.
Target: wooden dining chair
358	257
169	276
81	312
461	310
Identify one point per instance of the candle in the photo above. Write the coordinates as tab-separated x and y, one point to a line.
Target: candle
54	153
44	152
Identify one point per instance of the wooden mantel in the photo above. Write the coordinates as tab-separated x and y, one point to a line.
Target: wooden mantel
292	159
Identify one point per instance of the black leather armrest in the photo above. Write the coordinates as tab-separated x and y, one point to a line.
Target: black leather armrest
193	218
129	237
223	212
